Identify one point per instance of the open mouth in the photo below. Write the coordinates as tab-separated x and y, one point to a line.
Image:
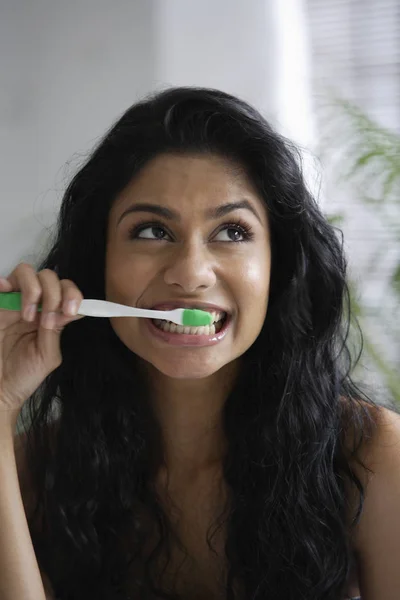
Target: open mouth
219	320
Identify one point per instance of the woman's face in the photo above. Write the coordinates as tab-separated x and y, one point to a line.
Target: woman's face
189	231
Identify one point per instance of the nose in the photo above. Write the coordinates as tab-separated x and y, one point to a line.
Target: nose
190	268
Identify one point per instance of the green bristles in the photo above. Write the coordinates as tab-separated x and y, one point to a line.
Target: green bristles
196	318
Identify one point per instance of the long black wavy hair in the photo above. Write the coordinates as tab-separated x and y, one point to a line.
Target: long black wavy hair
287	422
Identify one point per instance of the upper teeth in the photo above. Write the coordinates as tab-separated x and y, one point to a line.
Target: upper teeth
217	316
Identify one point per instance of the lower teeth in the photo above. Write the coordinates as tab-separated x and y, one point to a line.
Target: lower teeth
173	328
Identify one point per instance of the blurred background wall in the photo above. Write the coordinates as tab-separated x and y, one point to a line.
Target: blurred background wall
355	66
69	69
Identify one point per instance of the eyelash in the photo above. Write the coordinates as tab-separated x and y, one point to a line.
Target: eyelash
239	225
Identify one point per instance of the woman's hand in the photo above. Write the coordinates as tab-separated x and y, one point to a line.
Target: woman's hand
30	340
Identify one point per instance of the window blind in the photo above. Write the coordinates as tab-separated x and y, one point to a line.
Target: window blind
356	49
355	52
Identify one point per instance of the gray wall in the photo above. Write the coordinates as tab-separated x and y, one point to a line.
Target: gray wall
69	69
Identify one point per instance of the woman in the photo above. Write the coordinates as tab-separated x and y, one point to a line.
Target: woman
230	463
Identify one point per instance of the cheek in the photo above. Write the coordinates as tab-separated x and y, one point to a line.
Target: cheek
255	278
254	287
127	277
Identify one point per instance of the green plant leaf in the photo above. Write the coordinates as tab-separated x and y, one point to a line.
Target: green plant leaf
335	219
395	279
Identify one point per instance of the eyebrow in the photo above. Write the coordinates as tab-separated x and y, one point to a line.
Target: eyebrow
167	213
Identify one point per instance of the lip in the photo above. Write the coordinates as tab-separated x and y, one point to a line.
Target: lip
186	339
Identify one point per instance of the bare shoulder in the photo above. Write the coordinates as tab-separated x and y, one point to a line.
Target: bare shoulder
381	451
376	538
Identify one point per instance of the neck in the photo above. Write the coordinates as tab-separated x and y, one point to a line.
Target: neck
190	416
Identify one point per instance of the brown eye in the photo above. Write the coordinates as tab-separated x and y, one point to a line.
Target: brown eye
149	232
233	233
152	232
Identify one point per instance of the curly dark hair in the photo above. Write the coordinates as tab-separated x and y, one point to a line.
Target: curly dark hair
287	422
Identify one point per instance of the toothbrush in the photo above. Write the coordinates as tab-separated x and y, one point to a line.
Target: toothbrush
102	308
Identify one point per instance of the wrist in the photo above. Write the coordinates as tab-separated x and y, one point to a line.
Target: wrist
8	419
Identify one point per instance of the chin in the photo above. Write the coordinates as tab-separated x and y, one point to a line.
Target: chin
185	372
185	369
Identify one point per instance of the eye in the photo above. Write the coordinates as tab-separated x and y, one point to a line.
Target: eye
234	233
148	231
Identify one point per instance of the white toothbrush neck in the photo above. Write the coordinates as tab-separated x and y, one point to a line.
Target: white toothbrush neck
104	308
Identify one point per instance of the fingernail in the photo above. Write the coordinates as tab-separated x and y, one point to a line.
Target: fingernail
48	320
30	312
72	307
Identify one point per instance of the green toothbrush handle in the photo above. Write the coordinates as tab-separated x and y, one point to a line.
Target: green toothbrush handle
13	301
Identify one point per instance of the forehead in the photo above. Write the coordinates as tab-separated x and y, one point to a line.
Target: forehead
203	180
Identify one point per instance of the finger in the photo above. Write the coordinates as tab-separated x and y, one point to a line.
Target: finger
48	336
24	279
71	297
4	284
70	293
51	297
